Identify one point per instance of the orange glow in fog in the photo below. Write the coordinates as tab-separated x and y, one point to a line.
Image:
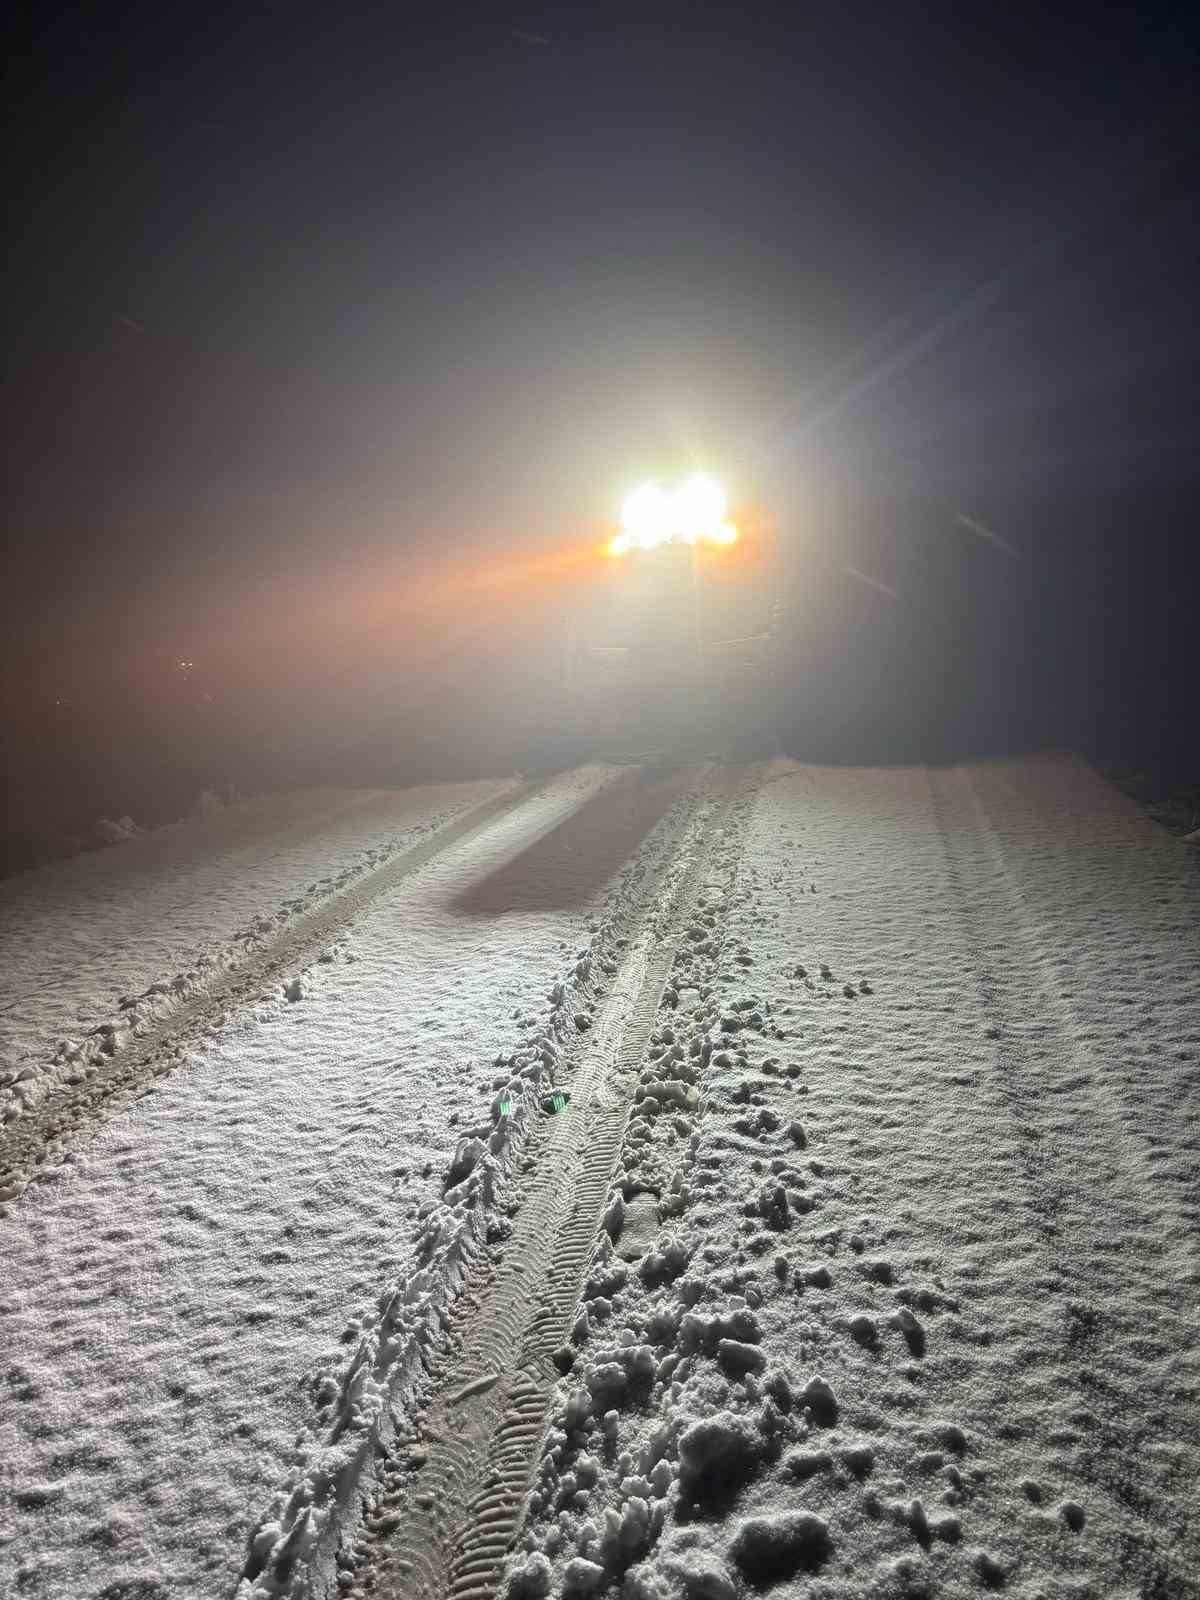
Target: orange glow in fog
724	536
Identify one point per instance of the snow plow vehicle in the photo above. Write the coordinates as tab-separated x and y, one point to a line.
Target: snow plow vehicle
678	645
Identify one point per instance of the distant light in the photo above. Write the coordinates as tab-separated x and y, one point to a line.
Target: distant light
693	512
698	509
646	516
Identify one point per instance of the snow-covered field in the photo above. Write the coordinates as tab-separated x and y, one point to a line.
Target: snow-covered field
860	1258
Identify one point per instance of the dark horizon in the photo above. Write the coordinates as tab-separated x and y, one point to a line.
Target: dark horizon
336	338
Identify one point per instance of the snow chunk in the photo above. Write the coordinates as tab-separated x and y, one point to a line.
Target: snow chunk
701	1575
582	1577
807	1463
665	1263
717	1455
701	1331
767	1549
531	1581
862	1327
467	1155
740	1358
992	1572
1073	1515
821	1401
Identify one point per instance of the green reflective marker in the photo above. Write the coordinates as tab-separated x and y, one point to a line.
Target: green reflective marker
506	1108
557	1102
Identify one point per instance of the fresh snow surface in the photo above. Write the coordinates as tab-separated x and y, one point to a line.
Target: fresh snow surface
176	1295
174	904
904	1305
926	1323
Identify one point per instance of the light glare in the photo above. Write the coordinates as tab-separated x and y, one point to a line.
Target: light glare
695	511
646	516
698	509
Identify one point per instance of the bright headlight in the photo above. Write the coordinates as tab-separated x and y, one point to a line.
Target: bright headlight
693	512
698	509
646	516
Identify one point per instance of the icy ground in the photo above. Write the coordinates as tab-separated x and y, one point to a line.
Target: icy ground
898	1281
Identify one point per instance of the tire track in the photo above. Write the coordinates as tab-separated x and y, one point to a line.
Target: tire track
1089	1193
484	1437
71	1112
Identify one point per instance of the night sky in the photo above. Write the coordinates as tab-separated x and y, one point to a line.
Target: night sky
325	324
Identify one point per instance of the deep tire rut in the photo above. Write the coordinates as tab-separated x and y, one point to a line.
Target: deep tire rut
485	1435
71	1113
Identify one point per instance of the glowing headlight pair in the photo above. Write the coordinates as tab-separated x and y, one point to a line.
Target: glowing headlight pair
694	511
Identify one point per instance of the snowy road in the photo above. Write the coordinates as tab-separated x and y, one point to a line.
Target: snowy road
1009	1132
168	1291
886	1085
115	942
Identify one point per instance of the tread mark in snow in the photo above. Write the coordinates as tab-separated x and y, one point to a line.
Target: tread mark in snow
1043	1058
71	1113
455	1538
